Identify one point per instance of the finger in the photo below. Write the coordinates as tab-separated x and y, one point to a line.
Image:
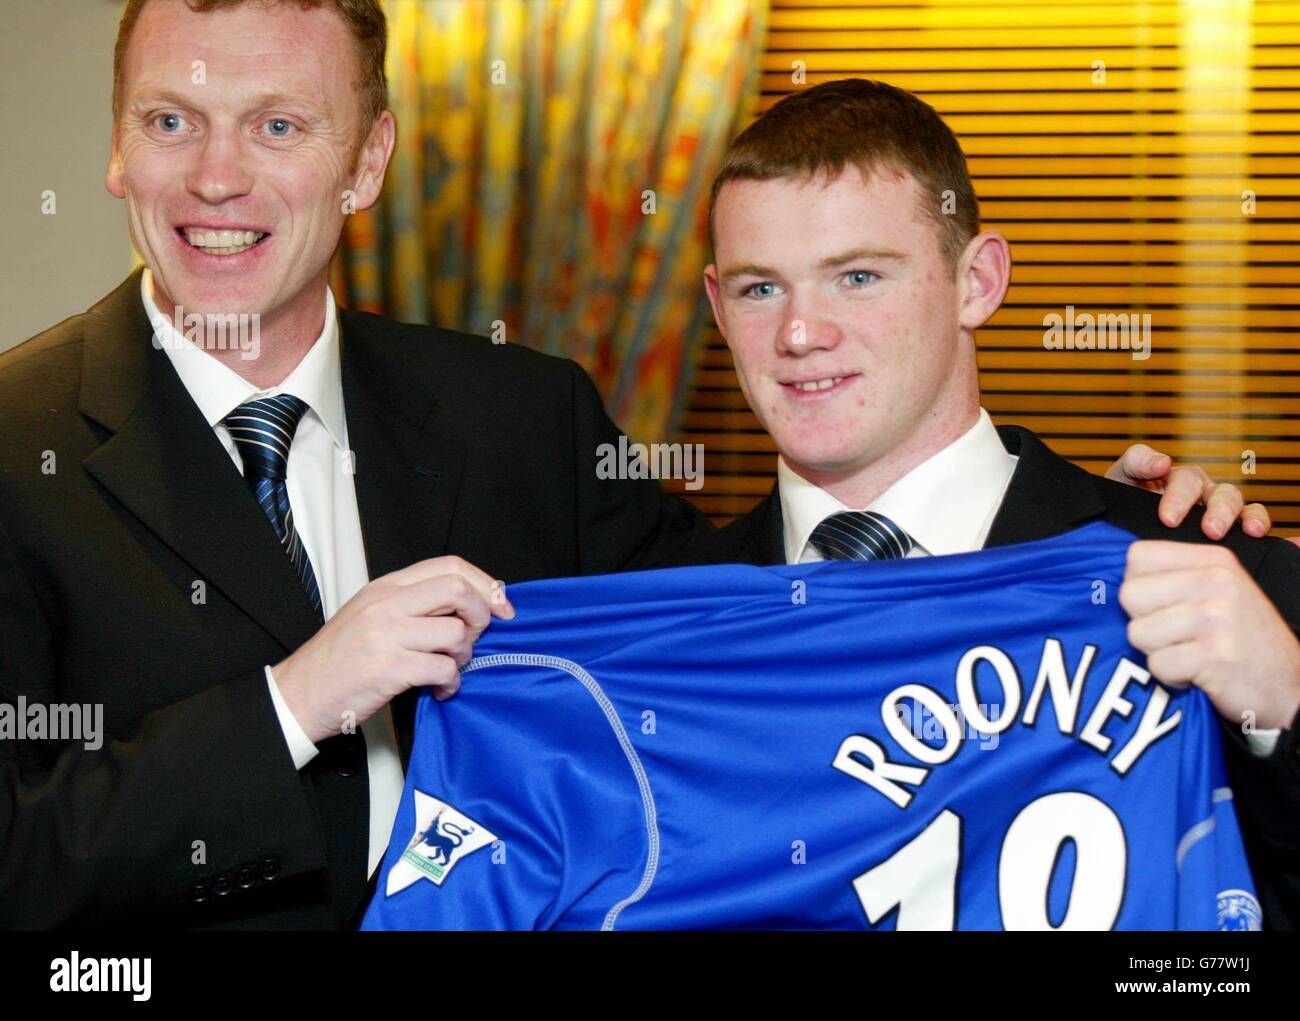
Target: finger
432	670
446	594
1140	596
447	636
1222	507
444	686
1139	463
1151	556
1176	665
492	590
438	567
1255	520
441	677
1184	489
1169	625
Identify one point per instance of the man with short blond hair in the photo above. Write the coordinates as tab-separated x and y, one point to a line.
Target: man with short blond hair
250	550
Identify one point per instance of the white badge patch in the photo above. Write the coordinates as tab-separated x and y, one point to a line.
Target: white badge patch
1239	910
442	838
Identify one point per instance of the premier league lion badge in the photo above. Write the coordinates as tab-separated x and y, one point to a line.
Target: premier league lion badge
442	837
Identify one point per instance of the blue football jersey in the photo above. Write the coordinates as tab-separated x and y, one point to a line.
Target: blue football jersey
950	742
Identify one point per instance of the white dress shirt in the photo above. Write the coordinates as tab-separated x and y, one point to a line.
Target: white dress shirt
324	501
947	504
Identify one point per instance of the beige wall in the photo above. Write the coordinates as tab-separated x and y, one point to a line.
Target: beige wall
57	60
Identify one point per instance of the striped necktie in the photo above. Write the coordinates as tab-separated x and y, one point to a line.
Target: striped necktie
861	535
262	431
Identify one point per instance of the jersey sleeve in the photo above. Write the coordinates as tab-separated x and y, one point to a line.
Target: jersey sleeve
520	811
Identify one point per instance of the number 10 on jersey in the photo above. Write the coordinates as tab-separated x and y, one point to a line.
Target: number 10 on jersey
926	869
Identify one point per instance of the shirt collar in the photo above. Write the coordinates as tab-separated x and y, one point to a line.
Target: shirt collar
946	503
803	507
218	390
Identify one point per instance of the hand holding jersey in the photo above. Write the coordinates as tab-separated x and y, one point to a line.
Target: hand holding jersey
416	626
1202	620
1197	614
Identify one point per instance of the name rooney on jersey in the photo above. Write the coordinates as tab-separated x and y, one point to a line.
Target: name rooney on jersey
864	759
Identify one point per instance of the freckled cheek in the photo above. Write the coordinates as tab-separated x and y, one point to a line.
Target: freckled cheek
887	321
874	334
756	330
748	350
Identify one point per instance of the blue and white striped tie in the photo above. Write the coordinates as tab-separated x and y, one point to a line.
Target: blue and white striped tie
263	431
861	535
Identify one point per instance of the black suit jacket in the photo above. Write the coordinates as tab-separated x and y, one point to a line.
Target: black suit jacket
1047	496
137	572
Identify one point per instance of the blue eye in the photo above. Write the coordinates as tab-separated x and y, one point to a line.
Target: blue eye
279	127
169	122
859	277
753	290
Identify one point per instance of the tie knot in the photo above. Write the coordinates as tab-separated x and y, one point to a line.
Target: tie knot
861	535
263	432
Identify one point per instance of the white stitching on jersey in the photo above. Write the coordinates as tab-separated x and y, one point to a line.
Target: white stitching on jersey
1201	830
611	714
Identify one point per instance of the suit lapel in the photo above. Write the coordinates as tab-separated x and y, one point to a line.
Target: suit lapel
165	464
407	459
766	544
1047	496
754	538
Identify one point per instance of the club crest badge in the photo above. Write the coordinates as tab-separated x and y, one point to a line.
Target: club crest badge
442	838
1239	910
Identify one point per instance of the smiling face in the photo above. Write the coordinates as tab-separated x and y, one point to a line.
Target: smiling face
235	185
852	338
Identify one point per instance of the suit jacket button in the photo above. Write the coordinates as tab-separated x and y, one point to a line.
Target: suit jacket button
198	893
222	886
269	870
245	878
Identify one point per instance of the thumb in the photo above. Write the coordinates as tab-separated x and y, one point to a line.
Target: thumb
1140	463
